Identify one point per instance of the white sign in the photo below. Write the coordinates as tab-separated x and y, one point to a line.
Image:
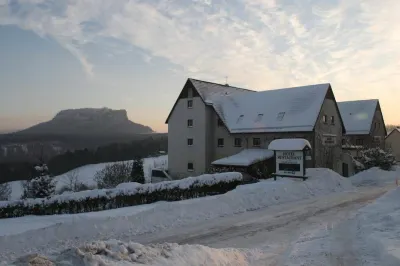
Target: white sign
290	163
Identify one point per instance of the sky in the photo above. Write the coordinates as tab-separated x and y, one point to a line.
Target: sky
137	54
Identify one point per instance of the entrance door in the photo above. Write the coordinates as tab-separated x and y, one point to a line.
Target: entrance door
345	169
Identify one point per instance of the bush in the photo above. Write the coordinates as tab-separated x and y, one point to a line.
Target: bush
113	174
5	191
137	174
375	157
104	199
41	186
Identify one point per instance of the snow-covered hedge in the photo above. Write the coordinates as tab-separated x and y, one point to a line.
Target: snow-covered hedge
104	199
376	157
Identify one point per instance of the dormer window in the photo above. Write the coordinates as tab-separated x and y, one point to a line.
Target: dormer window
259	117
239	119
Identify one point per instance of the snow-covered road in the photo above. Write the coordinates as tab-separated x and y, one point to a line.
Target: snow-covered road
280	231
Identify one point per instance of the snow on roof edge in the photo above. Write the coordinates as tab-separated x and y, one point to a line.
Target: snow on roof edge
245	157
289	144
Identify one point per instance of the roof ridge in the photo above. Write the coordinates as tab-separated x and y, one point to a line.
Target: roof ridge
297	87
363	100
221	84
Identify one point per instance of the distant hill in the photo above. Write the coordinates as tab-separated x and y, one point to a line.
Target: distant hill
88	121
70	130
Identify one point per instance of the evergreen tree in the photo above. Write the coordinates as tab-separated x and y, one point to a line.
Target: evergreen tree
41	186
137	174
5	191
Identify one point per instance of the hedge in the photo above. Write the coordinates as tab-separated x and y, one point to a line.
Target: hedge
106	199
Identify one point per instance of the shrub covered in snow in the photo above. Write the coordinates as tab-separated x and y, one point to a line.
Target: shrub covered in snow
103	199
5	191
113	174
41	186
375	157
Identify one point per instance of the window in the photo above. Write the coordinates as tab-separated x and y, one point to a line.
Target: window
190	142
238	142
256	142
343	141
190	104
280	116
220	142
324	119
190	167
359	142
220	123
190	123
332	120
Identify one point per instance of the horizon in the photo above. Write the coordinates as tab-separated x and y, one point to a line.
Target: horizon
136	56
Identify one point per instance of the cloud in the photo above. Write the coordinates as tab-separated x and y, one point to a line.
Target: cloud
263	43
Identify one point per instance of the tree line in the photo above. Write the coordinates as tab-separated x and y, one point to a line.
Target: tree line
63	163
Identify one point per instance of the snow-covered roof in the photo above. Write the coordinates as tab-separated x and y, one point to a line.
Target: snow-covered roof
245	157
358	116
289	144
208	90
291	109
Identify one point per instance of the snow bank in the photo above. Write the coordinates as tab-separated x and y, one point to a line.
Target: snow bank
85	174
115	252
380	230
376	177
131	190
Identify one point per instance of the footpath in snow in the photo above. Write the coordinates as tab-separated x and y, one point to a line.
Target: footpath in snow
371	237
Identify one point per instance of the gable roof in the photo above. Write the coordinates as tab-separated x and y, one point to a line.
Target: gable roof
393	131
207	90
292	109
358	115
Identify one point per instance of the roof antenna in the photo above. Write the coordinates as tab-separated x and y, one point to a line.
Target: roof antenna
226	81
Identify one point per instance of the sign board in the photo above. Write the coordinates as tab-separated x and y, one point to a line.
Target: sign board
329	140
290	163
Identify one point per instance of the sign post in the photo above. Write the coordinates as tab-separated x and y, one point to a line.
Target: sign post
290	160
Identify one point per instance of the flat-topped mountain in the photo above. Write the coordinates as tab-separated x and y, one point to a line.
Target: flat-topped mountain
87	121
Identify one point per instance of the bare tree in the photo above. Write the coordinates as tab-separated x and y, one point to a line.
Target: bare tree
72	181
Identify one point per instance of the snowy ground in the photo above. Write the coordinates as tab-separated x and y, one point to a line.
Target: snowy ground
288	222
86	174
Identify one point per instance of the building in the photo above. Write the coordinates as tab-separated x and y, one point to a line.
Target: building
364	124
392	142
211	121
